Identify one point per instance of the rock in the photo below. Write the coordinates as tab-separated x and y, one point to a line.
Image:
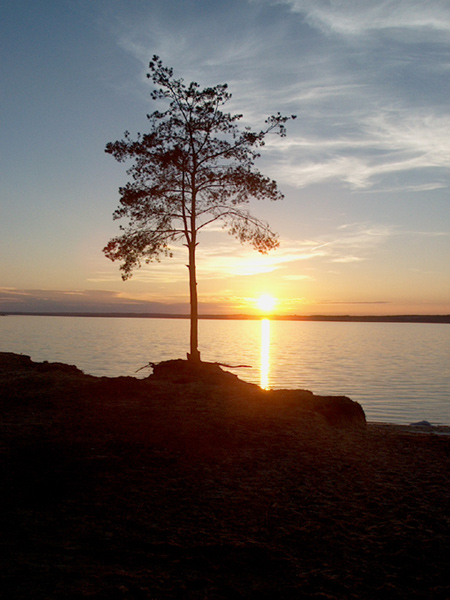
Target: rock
340	411
184	371
207	386
10	362
15	362
425	424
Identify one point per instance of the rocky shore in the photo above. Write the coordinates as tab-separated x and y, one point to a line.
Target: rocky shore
194	484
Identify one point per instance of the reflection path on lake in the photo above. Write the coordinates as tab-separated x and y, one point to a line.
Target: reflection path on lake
265	354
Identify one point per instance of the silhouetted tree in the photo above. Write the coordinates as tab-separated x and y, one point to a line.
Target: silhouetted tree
195	167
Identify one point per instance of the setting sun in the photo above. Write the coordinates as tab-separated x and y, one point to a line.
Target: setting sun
266	303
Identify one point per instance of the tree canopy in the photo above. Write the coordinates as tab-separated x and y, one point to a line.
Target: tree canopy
193	168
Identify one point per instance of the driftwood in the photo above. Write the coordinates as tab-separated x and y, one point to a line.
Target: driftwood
152	365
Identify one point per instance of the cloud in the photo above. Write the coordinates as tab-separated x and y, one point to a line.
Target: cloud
336	302
426	187
390	142
359	17
424	233
296	277
347	259
351	242
424	136
36	300
370	114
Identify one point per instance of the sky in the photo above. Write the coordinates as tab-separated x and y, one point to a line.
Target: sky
364	227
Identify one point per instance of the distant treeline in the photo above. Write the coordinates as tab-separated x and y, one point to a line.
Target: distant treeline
243	317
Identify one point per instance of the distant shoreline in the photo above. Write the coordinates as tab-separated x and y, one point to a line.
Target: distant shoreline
243	317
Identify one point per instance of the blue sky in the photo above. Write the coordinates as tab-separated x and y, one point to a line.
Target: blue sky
365	223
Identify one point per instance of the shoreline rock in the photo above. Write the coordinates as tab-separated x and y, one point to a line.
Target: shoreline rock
205	381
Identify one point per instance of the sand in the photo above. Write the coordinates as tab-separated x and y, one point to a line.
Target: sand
118	488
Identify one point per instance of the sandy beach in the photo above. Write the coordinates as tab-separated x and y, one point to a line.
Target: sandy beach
163	488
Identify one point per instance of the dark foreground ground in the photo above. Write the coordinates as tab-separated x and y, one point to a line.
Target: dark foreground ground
208	489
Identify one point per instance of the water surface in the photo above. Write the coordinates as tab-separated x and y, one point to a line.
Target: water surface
399	372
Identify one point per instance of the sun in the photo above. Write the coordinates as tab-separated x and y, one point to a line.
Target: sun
266	303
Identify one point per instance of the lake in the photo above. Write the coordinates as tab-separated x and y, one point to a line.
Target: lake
398	372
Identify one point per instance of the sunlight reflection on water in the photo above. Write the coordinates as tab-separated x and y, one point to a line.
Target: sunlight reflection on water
399	372
265	354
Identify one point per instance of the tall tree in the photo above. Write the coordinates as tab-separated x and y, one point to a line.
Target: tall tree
195	167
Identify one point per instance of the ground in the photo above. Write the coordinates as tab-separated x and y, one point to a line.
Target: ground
175	487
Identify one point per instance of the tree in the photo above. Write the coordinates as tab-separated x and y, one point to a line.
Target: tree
194	168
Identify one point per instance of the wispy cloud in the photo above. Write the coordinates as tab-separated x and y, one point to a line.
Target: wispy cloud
221	259
297	277
391	142
95	301
353	242
356	18
371	113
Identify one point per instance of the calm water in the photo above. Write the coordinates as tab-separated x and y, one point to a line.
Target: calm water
399	372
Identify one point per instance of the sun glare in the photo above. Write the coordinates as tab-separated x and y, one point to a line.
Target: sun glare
266	303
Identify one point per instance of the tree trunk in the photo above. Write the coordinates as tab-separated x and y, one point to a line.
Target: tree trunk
194	355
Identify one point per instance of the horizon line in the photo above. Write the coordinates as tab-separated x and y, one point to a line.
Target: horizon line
402	318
